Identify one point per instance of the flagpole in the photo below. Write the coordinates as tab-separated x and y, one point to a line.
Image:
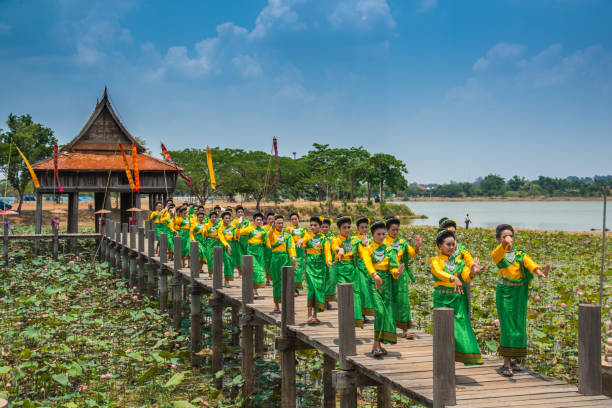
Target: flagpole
603	245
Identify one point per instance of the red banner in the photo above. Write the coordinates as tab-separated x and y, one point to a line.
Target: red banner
167	156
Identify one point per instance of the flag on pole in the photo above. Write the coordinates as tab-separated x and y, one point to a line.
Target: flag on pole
167	156
128	172
135	166
211	172
56	168
27	163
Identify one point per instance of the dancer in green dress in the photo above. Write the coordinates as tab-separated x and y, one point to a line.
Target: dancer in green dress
156	216
400	286
227	237
367	297
516	270
316	269
345	248
297	232
256	237
282	254
330	277
241	242
212	240
182	227
198	234
448	277
381	263
269	224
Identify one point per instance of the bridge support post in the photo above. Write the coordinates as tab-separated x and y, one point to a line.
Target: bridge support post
163	273
288	392
110	246
117	250
150	266
235	325
589	349
216	302
176	284
55	242
383	396
196	292
348	347
124	258
259	340
133	255
444	390
329	391
102	247
141	260
246	325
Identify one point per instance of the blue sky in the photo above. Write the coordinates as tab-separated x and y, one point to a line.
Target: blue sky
456	89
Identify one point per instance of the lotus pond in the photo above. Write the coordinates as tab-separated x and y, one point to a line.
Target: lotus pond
73	335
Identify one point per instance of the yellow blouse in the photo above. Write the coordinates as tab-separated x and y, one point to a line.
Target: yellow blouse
177	223
443	277
275	237
383	262
341	241
226	233
513	271
258	234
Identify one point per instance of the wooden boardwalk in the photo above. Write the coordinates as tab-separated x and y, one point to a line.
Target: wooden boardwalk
408	368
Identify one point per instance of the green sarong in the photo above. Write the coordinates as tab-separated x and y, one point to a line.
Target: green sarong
299	269
201	240
511	304
367	297
257	252
315	279
347	273
267	256
185	240
278	259
236	253
159	229
401	301
228	264
169	237
384	323
330	283
466	345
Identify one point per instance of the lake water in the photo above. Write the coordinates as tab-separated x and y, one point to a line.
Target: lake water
546	215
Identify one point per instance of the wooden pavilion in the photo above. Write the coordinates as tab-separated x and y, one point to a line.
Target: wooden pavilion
92	162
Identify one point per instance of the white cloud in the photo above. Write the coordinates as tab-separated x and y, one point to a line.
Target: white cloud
426	5
5	28
499	53
247	66
276	13
361	14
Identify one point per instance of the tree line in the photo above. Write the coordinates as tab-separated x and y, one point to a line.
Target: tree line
496	186
324	173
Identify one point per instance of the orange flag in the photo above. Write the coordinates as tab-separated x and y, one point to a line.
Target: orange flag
128	172
135	165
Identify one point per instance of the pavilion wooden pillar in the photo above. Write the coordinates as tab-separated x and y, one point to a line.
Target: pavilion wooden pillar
73	219
125	202
101	201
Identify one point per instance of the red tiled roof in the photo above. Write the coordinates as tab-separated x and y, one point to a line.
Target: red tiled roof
101	161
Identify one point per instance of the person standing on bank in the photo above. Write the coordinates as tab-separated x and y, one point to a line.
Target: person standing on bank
467	221
516	270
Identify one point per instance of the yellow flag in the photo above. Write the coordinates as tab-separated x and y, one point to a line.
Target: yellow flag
213	183
27	163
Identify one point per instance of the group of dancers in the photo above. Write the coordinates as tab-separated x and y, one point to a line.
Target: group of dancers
375	259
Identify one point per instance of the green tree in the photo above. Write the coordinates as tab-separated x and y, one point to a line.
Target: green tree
353	160
34	140
386	170
516	183
492	185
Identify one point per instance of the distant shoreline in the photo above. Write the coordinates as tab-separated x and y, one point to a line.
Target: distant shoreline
499	199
